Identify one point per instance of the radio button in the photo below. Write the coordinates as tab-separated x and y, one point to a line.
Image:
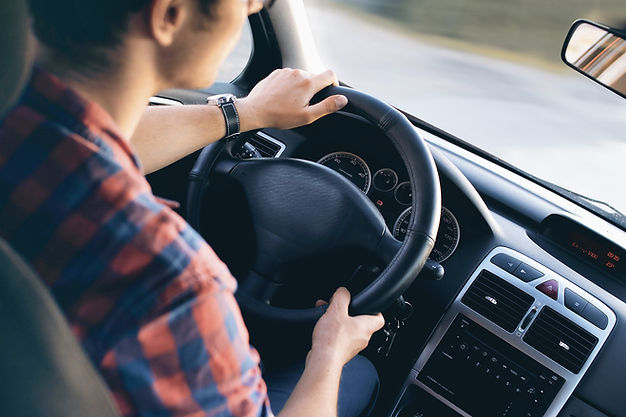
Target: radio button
506	262
574	301
592	314
527	273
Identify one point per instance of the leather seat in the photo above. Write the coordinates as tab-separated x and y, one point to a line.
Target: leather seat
16	50
43	370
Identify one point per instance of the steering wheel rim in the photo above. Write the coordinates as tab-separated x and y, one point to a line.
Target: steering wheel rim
405	260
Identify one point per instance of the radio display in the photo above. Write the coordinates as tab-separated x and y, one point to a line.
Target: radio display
589	246
609	259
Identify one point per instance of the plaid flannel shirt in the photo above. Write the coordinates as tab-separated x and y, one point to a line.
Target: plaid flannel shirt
149	300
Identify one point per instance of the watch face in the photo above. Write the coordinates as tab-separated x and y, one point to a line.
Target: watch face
221	99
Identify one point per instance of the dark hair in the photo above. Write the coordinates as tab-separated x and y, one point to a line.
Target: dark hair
83	33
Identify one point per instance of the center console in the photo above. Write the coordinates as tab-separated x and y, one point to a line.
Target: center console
516	342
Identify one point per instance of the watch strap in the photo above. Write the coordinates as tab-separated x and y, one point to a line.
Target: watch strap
231	117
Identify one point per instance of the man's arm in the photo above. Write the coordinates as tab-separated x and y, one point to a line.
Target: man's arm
167	133
337	338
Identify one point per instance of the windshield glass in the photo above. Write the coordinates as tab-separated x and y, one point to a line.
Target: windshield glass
489	72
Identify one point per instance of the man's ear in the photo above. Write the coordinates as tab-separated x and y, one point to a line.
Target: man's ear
165	19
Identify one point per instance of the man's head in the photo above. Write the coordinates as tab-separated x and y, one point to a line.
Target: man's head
187	39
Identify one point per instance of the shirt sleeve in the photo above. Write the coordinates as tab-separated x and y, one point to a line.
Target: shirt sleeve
194	360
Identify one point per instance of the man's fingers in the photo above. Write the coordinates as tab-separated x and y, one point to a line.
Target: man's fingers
324	79
372	323
341	299
320	303
328	105
256	7
378	322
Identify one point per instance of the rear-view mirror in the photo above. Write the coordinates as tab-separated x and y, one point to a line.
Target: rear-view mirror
599	52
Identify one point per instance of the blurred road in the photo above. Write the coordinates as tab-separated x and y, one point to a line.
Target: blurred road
556	125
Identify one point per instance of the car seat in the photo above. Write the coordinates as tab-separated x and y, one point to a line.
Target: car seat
44	371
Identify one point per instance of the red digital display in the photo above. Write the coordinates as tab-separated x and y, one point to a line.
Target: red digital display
608	258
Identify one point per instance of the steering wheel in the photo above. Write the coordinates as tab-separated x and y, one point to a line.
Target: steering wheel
281	192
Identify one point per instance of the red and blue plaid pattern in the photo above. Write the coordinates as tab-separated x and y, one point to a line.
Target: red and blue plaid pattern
150	301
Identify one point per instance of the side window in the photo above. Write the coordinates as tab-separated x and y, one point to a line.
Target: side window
238	58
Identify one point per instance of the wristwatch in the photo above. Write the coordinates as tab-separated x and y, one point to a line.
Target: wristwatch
226	102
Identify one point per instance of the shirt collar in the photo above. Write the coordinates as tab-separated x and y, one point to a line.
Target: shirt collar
86	113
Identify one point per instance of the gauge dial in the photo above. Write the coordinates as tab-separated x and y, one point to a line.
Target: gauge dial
404	194
447	237
350	166
385	179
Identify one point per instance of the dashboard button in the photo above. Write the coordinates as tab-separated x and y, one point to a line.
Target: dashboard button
506	262
595	316
574	301
526	272
549	288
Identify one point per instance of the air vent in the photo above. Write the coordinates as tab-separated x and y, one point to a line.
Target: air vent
560	339
499	301
267	146
162	101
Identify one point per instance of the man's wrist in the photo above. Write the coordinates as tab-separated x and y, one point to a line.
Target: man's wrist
326	357
249	115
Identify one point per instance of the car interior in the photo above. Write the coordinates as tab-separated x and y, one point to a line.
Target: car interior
502	297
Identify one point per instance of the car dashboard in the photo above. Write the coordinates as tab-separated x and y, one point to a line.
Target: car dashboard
528	318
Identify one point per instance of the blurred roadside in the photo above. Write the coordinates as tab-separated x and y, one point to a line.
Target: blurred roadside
520	104
535	28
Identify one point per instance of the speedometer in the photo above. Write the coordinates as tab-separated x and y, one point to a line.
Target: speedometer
350	166
448	235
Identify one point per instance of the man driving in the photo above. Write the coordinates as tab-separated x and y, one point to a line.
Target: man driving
149	300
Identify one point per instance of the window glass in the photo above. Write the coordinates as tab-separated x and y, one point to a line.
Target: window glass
238	58
488	71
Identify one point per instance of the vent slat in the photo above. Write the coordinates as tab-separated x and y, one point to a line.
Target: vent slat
581	345
552	351
511	311
560	327
545	334
561	339
511	303
265	147
479	300
495	287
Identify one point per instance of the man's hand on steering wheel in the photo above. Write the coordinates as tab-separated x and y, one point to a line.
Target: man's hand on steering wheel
337	336
282	100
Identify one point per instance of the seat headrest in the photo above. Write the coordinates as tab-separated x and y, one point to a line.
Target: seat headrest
16	50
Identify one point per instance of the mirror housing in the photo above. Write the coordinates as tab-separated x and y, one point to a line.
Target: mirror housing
598	52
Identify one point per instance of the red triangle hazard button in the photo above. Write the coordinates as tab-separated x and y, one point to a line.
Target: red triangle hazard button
549	288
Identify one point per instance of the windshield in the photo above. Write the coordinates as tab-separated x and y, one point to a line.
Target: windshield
489	72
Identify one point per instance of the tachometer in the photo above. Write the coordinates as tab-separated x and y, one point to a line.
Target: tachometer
350	166
447	237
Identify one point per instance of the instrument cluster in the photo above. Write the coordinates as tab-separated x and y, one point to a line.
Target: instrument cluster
392	196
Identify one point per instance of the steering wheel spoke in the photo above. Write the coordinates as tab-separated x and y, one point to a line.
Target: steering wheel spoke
226	164
259	287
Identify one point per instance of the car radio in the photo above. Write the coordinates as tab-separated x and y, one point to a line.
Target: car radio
515	343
